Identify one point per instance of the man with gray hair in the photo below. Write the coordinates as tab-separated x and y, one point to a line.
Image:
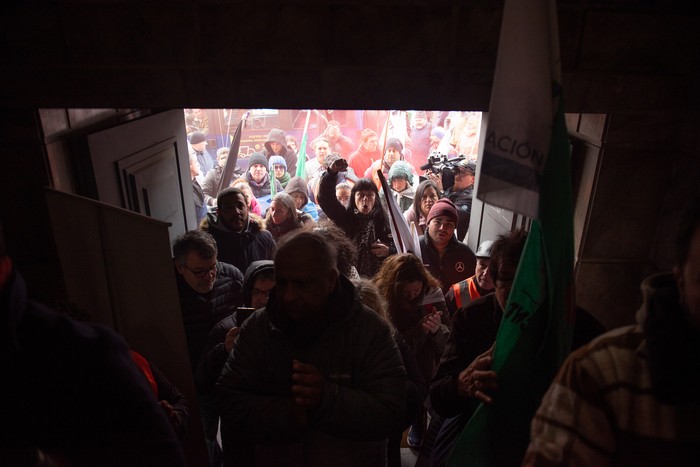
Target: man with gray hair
209	290
315	377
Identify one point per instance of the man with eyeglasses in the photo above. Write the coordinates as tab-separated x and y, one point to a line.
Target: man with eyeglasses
315	378
209	290
447	259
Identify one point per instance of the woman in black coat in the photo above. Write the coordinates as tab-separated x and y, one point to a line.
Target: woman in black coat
363	221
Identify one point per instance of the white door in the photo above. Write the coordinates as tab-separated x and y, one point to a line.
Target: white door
143	166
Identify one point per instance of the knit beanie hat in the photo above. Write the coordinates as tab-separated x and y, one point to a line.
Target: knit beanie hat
443	207
257	158
400	169
394	143
276	160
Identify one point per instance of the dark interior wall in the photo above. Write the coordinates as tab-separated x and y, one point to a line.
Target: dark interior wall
634	61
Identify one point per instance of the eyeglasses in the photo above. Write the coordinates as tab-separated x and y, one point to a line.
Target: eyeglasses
201	273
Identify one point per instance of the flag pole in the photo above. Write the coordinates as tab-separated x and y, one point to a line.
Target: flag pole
301	155
232	160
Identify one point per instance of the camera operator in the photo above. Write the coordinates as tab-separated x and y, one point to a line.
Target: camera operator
456	182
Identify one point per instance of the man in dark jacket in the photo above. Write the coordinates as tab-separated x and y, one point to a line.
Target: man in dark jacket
240	238
461	194
315	377
209	291
464	378
447	259
276	145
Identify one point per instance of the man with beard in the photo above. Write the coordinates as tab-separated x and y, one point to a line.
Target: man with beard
420	139
315	378
478	285
339	143
447	259
239	236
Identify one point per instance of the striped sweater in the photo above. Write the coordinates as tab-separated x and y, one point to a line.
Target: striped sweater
603	407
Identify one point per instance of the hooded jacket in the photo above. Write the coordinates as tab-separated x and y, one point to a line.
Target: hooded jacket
214	354
298	185
240	248
277	135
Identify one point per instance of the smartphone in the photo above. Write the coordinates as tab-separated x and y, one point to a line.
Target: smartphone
242	314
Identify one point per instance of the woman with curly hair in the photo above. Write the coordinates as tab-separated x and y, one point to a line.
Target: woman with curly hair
418	312
283	216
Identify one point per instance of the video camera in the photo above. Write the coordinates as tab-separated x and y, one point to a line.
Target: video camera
439	164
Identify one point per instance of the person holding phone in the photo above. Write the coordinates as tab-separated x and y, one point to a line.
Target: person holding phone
418	312
258	281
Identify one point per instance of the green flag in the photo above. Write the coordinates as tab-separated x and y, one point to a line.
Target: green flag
301	155
535	333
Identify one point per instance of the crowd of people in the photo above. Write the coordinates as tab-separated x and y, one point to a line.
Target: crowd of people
313	341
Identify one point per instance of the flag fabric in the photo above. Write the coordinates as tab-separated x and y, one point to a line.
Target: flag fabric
232	160
535	334
301	155
520	113
400	232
